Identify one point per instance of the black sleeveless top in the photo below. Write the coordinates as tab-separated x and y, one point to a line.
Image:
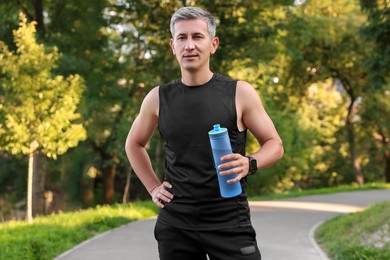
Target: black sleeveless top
186	114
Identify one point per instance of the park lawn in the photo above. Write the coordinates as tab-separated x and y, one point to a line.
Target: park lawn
363	235
49	236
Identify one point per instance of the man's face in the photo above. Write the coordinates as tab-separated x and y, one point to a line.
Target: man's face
192	44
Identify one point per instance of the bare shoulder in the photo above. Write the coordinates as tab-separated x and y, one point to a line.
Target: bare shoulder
244	86
153	94
247	95
151	102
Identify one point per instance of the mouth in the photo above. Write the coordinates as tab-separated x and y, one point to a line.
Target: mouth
190	56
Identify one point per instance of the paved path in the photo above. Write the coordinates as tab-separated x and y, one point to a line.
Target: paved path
284	229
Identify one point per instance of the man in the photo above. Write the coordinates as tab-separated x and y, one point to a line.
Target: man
194	220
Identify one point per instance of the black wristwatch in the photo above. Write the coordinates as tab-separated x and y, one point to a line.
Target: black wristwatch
252	165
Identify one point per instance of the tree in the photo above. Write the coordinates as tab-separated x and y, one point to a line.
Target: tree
323	44
377	31
377	125
92	48
38	109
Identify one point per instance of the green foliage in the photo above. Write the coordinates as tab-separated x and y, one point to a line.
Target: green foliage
8	21
377	31
362	235
36	105
52	235
321	52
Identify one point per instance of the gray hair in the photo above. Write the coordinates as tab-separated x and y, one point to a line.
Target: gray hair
187	13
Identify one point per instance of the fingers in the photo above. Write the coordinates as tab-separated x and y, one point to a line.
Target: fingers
160	195
235	164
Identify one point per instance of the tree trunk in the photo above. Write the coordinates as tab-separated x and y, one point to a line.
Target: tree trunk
38	7
38	182
351	141
126	192
29	187
386	154
87	183
108	184
350	127
109	173
387	166
31	171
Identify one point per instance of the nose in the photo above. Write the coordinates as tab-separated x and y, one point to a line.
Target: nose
189	45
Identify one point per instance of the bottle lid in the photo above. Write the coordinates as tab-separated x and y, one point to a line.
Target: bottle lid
218	131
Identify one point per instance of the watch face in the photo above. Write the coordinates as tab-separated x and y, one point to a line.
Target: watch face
253	165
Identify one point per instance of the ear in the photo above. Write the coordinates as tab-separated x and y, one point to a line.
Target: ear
172	47
214	44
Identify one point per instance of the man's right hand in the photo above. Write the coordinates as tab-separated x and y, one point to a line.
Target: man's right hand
160	194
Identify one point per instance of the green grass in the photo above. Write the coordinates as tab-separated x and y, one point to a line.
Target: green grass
359	236
49	236
342	188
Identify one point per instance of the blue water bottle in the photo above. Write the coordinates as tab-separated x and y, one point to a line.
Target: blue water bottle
220	145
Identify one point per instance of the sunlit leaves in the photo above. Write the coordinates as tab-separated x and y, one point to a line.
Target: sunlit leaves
37	105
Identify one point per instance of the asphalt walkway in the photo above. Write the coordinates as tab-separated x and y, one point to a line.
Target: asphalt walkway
285	229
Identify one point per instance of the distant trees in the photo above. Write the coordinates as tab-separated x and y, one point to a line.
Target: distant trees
323	43
377	31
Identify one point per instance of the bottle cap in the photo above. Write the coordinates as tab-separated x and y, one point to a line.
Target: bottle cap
218	131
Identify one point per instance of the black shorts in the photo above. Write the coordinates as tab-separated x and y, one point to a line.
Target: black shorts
180	244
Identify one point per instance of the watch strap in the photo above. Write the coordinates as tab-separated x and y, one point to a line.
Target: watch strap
252	165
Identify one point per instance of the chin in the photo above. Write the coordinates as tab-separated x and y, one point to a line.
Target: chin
190	67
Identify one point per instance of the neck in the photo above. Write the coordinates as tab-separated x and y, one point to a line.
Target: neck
191	78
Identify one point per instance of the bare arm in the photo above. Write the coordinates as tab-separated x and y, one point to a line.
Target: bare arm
139	135
252	116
